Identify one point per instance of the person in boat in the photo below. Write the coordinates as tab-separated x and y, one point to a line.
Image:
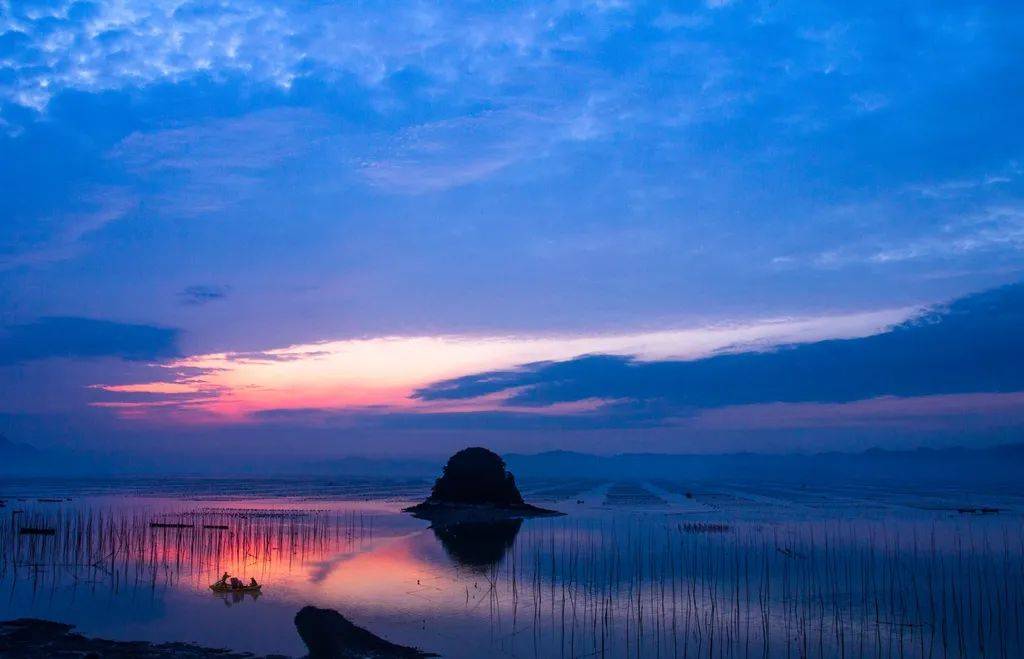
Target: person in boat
252	583
223	581
236	583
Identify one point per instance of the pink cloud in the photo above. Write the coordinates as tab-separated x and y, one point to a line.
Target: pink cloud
382	373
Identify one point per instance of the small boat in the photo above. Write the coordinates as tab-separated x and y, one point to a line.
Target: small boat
224	588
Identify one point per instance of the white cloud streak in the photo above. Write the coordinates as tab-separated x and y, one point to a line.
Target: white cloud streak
383	372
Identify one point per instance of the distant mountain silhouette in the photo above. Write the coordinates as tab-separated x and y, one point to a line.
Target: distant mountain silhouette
1003	463
9	449
17	458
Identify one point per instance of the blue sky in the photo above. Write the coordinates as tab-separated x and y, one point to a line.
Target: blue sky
197	193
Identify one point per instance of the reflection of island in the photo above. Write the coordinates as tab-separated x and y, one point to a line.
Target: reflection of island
478	545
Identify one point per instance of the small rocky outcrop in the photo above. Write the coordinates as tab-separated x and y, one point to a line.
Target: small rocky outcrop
30	638
326	633
329	635
475	486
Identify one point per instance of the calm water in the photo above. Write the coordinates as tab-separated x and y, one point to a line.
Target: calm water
635	569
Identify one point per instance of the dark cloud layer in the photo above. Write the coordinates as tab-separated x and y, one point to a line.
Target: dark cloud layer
70	337
203	294
973	345
607	418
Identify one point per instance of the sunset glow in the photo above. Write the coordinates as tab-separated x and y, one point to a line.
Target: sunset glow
382	373
523	329
508	224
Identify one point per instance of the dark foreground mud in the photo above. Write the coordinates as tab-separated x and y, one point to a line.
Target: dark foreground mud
31	638
327	634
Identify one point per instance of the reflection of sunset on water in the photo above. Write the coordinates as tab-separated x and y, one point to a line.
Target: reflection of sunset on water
384	577
576	584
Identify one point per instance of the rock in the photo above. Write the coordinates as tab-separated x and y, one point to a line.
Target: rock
328	635
475	486
476	476
30	638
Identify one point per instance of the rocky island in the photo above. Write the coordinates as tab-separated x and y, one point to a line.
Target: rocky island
475	486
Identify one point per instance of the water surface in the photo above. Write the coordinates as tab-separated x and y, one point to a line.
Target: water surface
635	568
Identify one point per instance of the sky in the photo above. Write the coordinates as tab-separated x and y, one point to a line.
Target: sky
393	229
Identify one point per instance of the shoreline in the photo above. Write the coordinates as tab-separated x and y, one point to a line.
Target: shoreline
36	637
326	633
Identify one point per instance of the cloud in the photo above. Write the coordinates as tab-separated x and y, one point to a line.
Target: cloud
994	228
382	373
97	207
973	345
208	166
488	420
253	141
85	338
869	102
983	184
138	43
451	153
203	294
